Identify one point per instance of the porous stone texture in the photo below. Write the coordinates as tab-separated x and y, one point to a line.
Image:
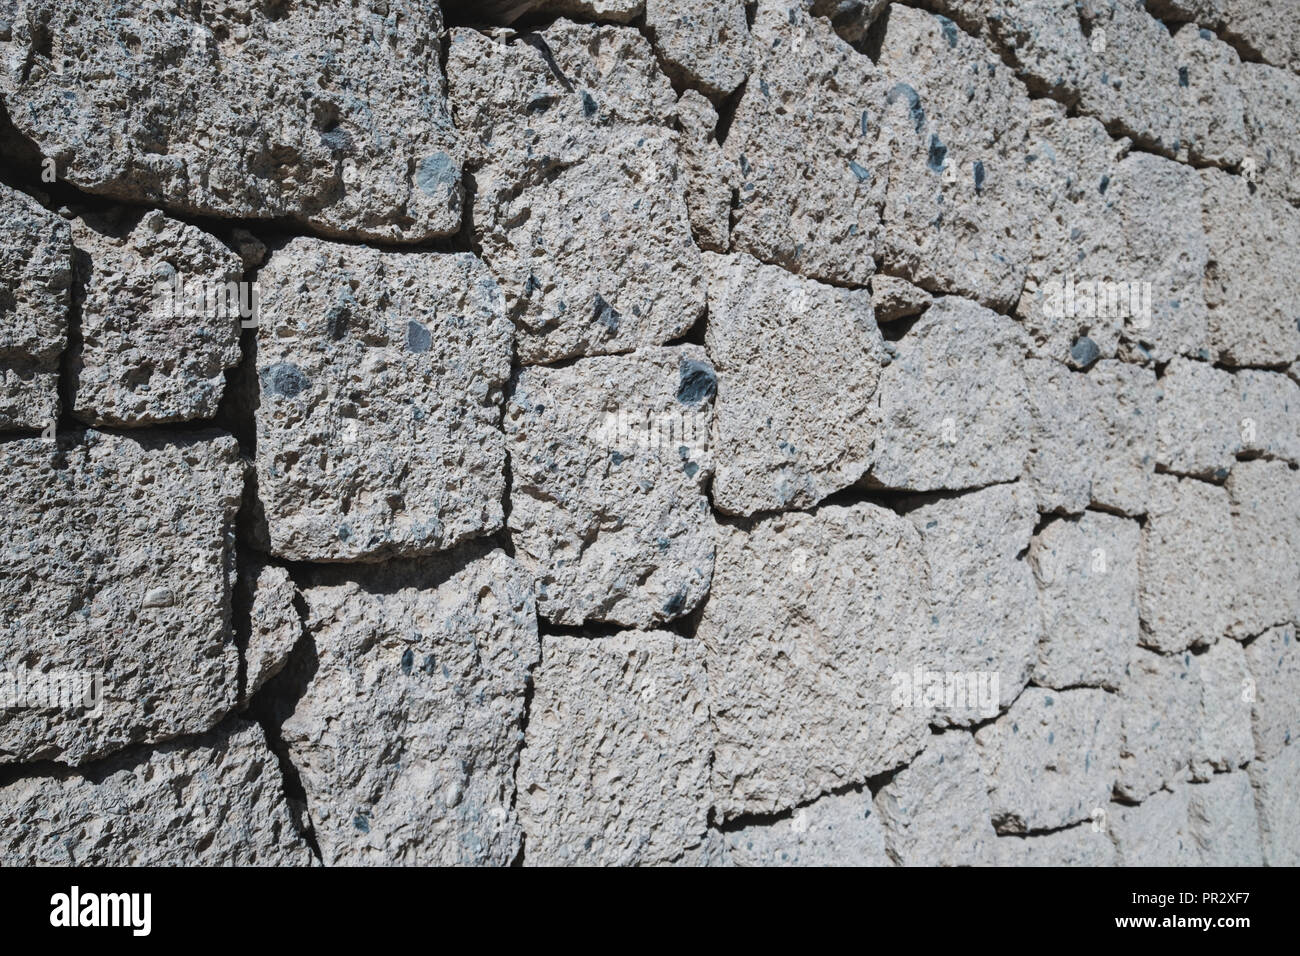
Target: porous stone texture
615	767
1277	800
159	323
211	800
410	722
936	811
35	284
798	362
1265	504
1051	759
1084	845
1087	575
1225	742
809	618
1160	716
1223	823
1156	832
702	42
116	565
580	199
380	377
1274	684
274	624
837	830
709	180
894	298
1186	569
953	402
337	120
609	458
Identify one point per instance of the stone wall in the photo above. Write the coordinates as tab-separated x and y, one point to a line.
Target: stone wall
632	432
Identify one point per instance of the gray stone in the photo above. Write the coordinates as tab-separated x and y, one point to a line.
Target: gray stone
1272	101
834	830
953	402
893	298
1199	425
1051	759
1161	721
809	620
1265	497
851	19
410	722
1186	565
159	322
936	811
984	617
1225	743
213	800
1274	660
1277	801
335	119
703	43
615	766
35	284
798	363
609	460
805	141
116	564
708	176
1223	823
580	201
274	626
1157	832
1270	414
1084	845
1087	572
380	377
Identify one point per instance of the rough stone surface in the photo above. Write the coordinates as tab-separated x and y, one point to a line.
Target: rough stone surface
808	619
1277	800
158	330
212	800
893	298
936	811
116	562
1265	497
709	180
1269	422
1087	574
1185	565
1274	661
615	767
580	201
409	726
335	120
1082	845
798	365
380	383
1161	719
1226	694
805	140
953	402
702	42
1222	821
35	284
1156	832
1051	759
836	830
609	459
983	614
274	625
1199	426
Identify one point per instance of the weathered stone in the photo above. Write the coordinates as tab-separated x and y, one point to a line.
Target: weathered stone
835	830
1157	832
1265	27
1225	742
1161	721
809	618
615	767
336	120
1051	759
1252	280
1270	414
1272	100
1265	497
936	811
1222	821
410	722
274	626
710	852
1083	845
1274	662
708	177
380	376
35	284
984	616
1199	425
704	43
116	559
851	19
214	800
954	127
159	324
613	11
798	364
580	199
1087	573
953	402
1185	565
893	298
1277	800
805	139
609	459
